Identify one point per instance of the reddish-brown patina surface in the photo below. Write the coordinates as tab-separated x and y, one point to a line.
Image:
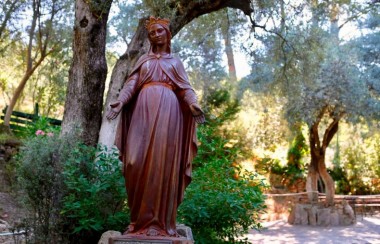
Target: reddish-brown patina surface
156	135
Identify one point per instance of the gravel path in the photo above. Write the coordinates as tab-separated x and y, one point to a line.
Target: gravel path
366	230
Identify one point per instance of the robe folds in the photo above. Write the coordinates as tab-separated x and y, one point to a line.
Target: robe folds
156	137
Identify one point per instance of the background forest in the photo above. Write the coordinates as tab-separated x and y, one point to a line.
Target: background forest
290	88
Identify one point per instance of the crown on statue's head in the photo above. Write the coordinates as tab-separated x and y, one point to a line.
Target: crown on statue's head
152	20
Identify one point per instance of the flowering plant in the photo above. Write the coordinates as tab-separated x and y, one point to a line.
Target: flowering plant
42	133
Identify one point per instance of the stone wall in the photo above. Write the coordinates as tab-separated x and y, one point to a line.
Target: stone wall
319	215
296	209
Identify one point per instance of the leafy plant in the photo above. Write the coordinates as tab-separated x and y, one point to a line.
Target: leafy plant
297	151
95	198
40	180
219	207
73	192
223	201
41	126
4	137
290	173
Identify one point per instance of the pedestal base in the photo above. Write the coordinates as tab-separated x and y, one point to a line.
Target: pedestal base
149	240
184	231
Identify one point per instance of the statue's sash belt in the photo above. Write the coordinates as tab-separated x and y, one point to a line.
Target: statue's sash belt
158	84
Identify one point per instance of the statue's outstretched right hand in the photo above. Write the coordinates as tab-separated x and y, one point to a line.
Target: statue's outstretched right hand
115	110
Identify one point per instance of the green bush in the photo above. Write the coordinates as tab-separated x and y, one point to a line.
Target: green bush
220	208
73	192
42	124
95	193
40	179
222	202
295	168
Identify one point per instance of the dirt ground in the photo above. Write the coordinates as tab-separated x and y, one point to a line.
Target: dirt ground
10	211
366	230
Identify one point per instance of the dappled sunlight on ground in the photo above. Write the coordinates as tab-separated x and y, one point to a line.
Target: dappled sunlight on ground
367	230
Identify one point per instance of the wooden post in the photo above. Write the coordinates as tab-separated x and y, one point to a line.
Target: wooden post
36	112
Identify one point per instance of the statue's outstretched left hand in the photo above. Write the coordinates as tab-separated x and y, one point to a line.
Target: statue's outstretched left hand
198	114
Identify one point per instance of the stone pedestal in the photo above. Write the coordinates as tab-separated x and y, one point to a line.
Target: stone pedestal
186	237
149	240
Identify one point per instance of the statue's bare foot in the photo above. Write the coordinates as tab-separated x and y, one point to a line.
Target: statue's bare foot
152	232
129	229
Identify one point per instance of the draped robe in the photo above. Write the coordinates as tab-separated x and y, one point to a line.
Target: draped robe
157	141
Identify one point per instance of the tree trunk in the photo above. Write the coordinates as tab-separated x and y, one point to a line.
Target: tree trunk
18	91
316	170
334	18
30	68
229	51
88	71
317	165
312	183
329	182
123	67
185	12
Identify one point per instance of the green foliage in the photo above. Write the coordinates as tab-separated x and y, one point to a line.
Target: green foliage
342	184
220	137
288	173
295	168
313	69
368	47
200	48
158	8
223	201
41	126
297	150
95	196
40	180
73	192
218	206
4	137
357	186
99	7
358	172
125	21
47	83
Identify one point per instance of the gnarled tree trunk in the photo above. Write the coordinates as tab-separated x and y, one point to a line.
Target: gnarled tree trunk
317	167
88	71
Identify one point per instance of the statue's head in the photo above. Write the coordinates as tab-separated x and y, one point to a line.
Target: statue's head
158	32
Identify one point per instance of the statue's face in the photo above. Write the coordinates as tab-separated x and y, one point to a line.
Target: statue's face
157	35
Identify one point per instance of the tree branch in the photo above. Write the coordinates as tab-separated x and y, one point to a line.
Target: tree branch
330	131
314	130
7	16
186	11
361	13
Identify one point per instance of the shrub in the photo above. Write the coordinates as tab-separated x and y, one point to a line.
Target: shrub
295	168
73	192
222	202
95	196
219	207
40	180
